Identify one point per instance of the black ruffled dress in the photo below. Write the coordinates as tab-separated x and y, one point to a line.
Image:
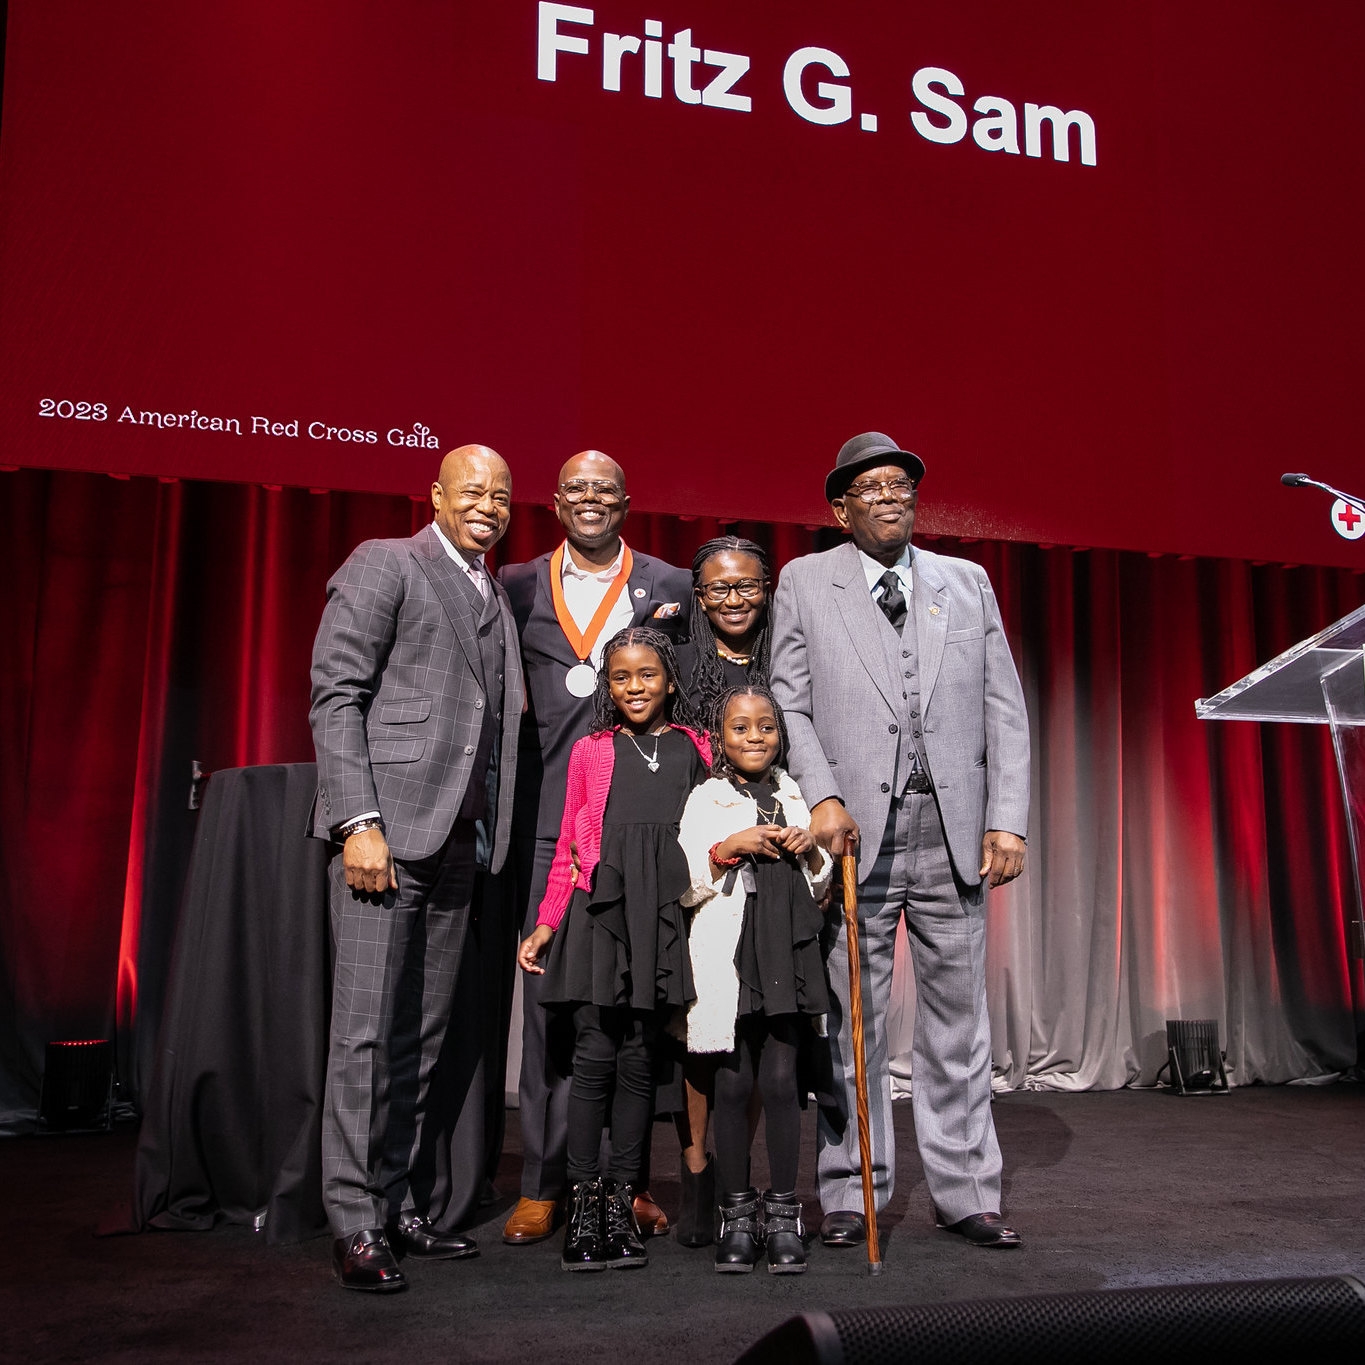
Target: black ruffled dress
778	959
623	942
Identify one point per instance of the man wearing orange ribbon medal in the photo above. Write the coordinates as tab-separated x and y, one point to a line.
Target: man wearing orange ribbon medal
567	605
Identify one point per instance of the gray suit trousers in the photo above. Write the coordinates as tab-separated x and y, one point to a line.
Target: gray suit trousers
400	1092
951	1083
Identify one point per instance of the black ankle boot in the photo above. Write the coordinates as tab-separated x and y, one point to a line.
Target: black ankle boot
625	1247
585	1243
784	1234
697	1220
740	1241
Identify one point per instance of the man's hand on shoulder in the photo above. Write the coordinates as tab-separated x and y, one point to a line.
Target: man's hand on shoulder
833	827
1002	856
368	862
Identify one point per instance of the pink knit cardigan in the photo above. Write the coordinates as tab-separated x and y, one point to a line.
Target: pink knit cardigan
591	762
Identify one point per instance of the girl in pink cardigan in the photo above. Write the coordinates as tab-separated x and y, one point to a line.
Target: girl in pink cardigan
615	930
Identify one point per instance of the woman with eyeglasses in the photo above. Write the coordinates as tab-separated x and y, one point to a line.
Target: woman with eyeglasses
729	647
728	627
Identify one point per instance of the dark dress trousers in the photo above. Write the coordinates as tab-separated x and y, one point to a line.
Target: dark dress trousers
553	721
417	698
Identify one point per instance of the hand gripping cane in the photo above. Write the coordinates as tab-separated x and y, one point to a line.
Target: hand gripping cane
855	1019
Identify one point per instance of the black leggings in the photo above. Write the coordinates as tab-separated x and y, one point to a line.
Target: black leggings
766	1056
613	1060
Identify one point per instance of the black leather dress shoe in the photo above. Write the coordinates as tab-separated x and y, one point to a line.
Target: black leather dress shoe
984	1230
415	1237
364	1261
843	1228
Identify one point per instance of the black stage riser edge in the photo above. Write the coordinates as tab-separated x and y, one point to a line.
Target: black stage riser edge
1204	1323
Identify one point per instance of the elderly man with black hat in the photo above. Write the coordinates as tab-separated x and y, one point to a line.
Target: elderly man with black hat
910	743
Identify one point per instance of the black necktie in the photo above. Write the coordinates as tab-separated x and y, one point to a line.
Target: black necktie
892	600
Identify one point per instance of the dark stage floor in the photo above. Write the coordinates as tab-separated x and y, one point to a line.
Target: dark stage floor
1108	1189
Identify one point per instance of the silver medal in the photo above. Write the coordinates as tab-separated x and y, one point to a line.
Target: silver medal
581	680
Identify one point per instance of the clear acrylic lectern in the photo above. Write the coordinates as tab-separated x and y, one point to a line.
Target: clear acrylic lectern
1320	681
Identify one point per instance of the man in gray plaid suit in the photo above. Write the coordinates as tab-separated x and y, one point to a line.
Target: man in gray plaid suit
416	708
910	742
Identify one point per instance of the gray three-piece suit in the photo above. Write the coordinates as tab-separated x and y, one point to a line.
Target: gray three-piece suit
863	701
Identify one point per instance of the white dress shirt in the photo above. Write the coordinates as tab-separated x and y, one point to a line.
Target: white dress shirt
584	590
477	574
874	571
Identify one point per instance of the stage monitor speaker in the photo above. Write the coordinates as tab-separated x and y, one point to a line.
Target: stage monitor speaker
1194	1057
78	1080
1170	1324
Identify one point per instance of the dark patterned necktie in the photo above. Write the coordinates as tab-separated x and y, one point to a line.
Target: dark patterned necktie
892	600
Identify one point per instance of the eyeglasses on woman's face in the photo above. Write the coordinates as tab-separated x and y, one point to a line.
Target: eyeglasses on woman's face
719	590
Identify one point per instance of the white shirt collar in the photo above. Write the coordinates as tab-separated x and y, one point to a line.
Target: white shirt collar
873	571
466	563
571	570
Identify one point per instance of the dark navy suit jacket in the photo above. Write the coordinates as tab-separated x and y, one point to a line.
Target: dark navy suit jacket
554	719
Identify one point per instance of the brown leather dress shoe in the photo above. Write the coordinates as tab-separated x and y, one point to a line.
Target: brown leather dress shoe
533	1220
364	1260
652	1219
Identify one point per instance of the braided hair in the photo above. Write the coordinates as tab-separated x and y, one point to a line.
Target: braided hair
708	679
721	765
677	709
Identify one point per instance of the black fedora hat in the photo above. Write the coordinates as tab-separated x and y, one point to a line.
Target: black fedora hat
868	451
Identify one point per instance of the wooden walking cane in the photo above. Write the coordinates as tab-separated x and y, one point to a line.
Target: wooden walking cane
855	1019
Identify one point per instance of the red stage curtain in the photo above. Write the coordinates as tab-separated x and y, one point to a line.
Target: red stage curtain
1173	863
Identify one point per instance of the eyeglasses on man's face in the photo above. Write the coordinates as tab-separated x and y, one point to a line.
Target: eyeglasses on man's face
750	589
870	490
601	489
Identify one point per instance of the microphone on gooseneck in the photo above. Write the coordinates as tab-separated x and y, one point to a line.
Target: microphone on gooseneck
1348	512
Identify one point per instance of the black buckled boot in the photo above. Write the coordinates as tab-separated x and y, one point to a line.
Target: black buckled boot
585	1242
784	1234
625	1248
740	1241
697	1219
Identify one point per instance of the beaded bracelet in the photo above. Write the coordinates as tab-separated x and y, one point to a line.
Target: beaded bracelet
723	862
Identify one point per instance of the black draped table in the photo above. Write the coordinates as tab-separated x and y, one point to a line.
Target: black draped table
231	1120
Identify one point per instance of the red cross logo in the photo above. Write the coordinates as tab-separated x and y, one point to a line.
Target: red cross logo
1347	520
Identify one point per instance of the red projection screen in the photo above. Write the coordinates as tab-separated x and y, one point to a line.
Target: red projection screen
1099	264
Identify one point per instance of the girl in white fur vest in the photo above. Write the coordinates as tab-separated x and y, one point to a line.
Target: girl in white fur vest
756	879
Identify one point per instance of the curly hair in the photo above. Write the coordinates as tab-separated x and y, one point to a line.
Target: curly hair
708	679
721	765
677	709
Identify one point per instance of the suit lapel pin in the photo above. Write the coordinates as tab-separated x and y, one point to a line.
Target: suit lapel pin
639	592
933	611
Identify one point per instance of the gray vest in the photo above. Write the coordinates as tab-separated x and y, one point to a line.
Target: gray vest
902	664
